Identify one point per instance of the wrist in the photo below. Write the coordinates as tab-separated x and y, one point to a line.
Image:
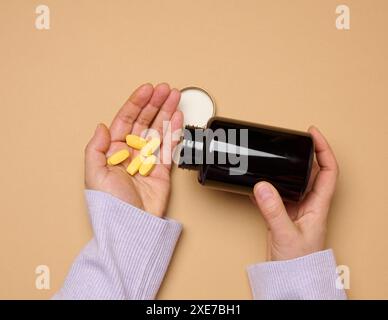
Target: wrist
294	250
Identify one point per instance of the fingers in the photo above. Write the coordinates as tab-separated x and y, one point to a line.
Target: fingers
123	122
148	113
176	126
313	176
95	150
166	111
273	210
324	185
171	139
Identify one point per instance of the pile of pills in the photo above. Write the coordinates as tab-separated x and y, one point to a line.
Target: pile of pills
142	163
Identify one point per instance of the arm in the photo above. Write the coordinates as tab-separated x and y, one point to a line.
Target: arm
128	256
132	243
299	267
306	278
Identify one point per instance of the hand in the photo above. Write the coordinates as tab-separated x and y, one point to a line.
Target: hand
298	229
148	107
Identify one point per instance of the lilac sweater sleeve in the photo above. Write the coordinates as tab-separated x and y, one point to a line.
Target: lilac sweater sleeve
131	250
128	256
305	278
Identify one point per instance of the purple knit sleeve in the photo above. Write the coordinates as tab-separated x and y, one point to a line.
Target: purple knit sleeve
308	278
128	256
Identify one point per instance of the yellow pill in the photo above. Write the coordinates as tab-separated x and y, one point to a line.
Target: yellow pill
135	164
150	147
135	142
118	157
147	165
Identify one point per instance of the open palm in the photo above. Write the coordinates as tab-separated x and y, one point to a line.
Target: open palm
147	108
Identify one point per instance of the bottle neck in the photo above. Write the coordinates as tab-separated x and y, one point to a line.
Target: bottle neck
191	154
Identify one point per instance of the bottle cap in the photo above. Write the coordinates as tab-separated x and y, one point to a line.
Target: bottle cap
197	106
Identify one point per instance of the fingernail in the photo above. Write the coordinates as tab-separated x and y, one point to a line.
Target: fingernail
263	191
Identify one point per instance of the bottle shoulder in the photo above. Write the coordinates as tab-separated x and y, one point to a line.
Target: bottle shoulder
223	122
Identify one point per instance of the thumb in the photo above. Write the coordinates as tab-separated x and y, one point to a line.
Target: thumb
272	209
96	148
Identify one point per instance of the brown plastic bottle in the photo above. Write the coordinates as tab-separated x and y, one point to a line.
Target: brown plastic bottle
234	155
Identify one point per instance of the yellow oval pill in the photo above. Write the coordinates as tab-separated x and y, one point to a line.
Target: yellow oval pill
135	142
147	165
118	157
150	147
135	164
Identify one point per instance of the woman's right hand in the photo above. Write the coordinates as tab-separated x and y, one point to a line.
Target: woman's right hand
299	229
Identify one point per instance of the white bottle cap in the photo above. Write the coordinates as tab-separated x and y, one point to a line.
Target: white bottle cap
197	106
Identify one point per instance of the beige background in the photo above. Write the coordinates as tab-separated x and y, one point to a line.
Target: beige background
276	62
